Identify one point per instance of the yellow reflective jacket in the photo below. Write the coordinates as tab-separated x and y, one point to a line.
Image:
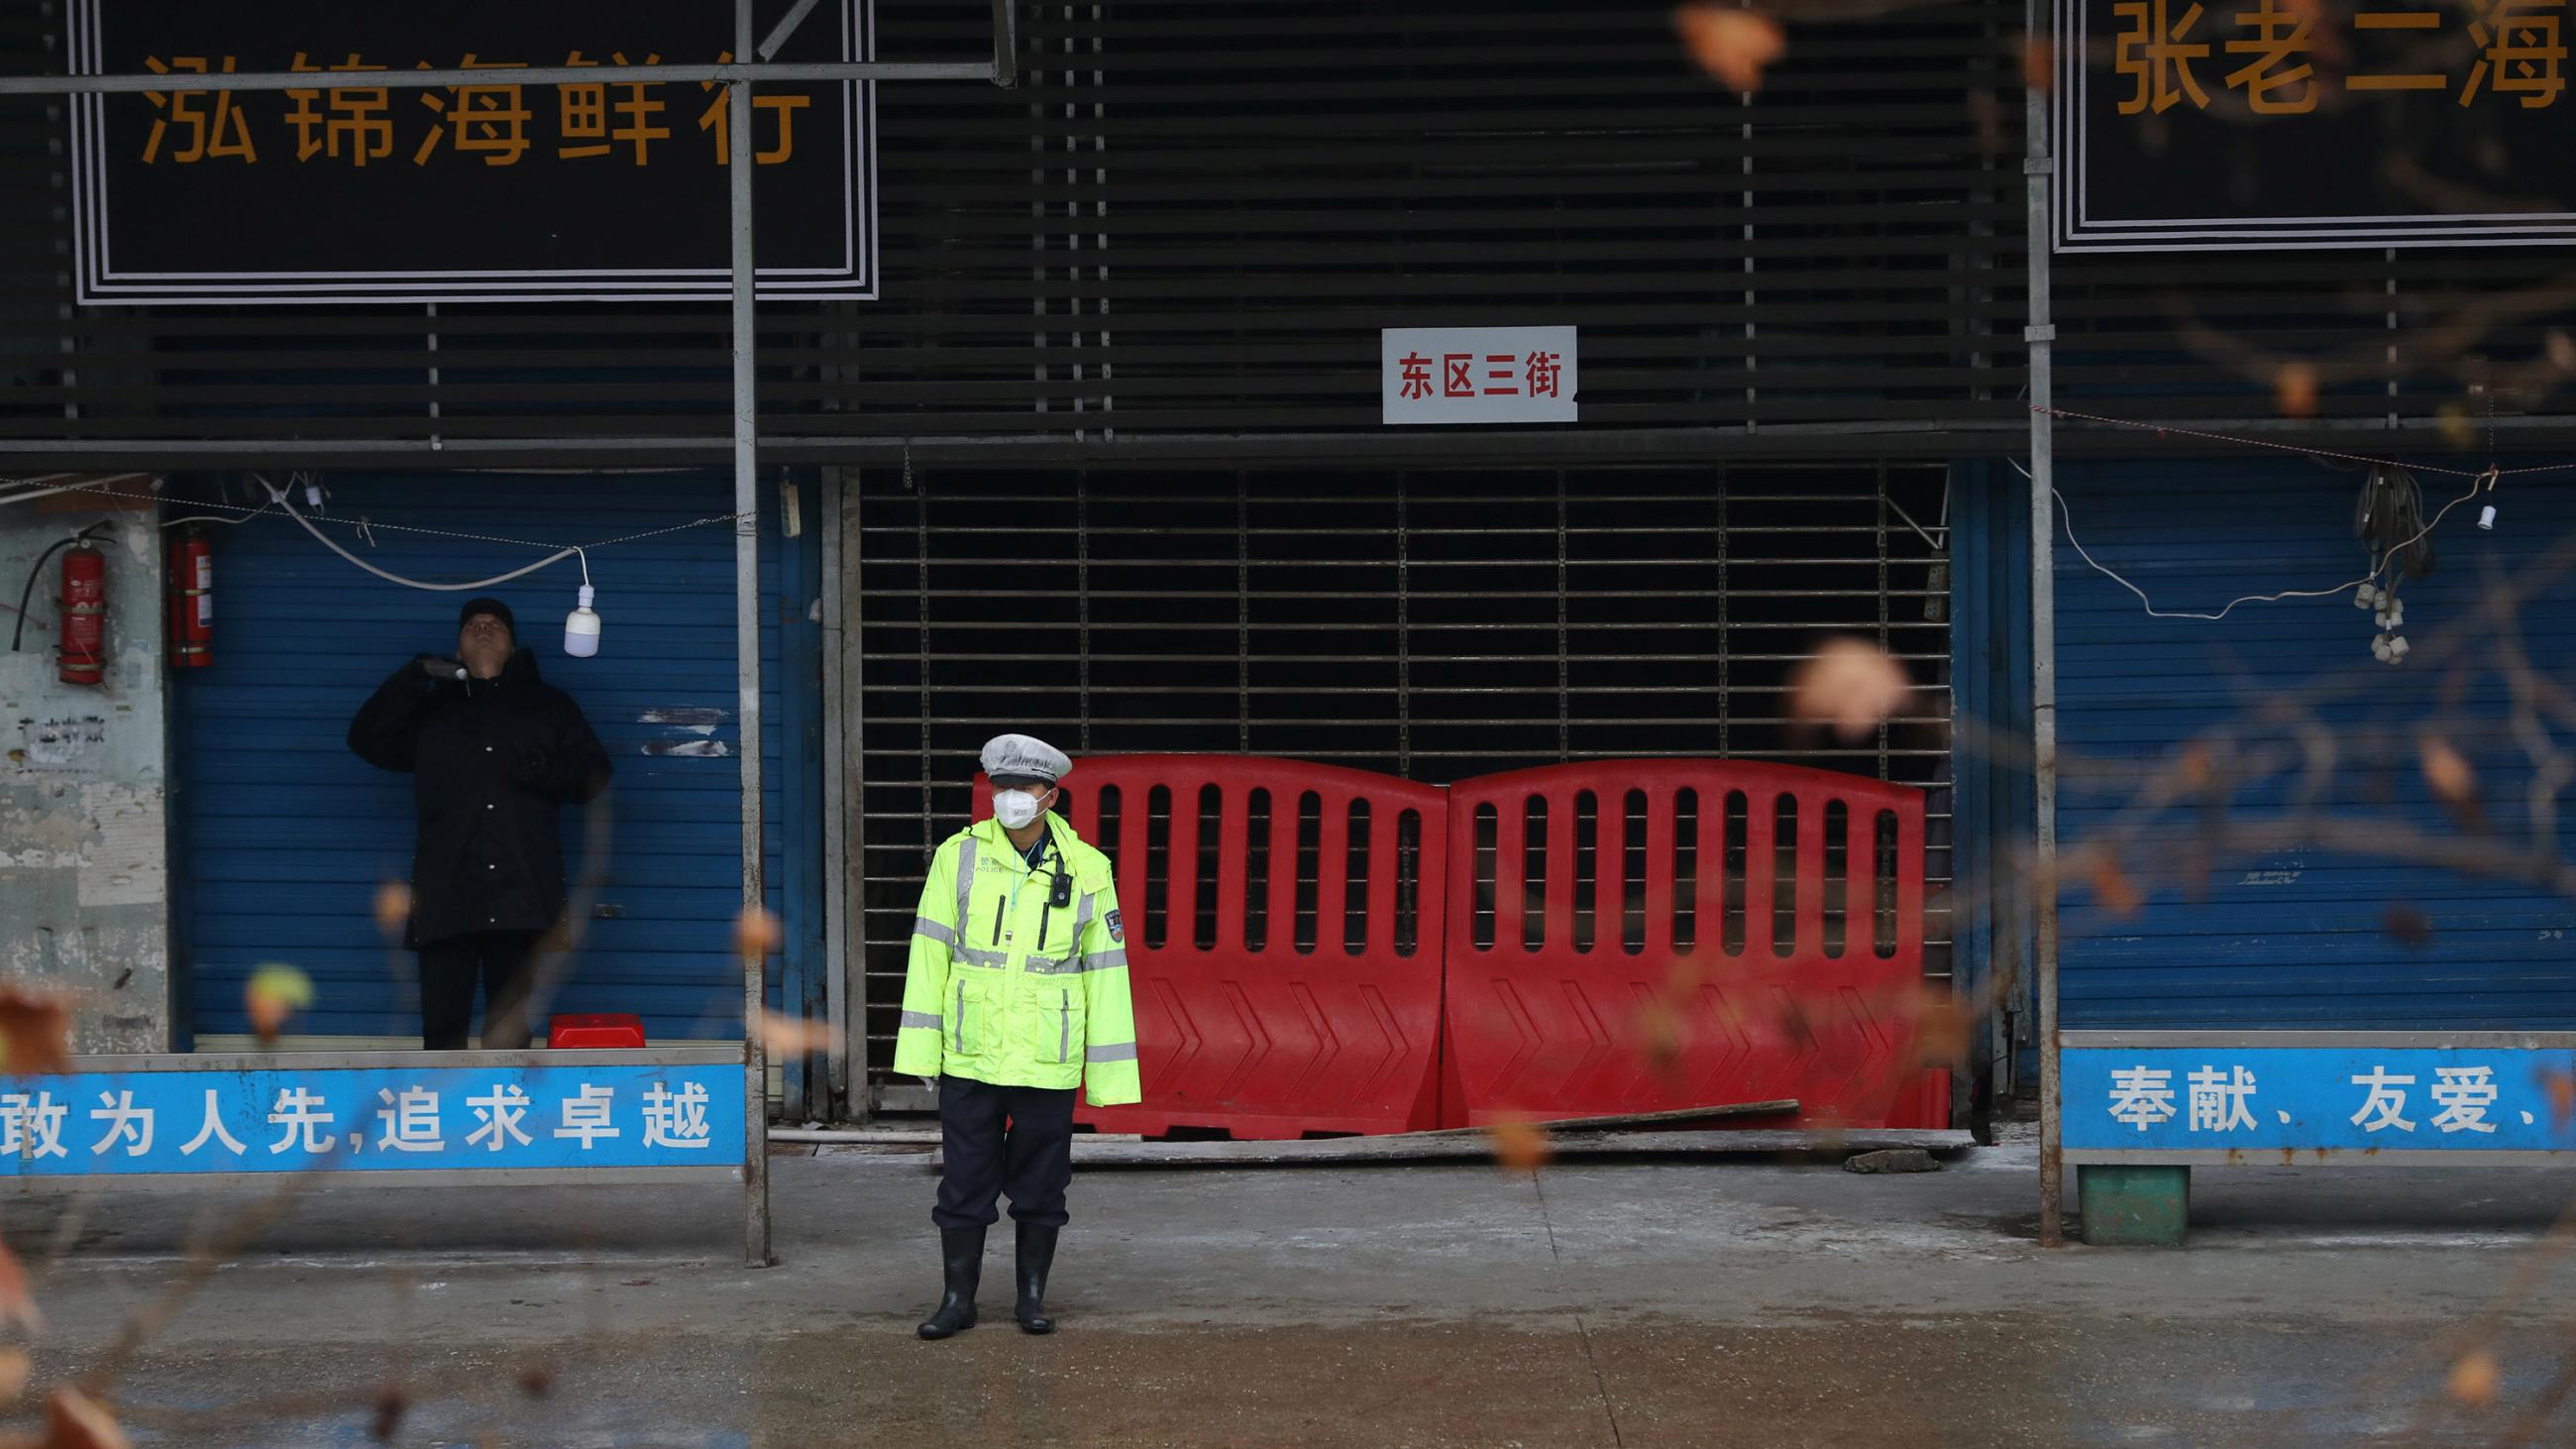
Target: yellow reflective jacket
1007	988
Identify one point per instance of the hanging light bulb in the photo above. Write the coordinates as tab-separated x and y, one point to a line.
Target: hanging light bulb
581	626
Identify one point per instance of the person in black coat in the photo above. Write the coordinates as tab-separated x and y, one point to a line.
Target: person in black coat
494	754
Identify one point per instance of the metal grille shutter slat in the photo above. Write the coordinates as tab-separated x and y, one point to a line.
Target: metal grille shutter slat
1343	643
1193	219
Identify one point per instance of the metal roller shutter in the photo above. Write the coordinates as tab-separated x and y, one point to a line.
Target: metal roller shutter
1435	625
1191	219
284	836
2297	937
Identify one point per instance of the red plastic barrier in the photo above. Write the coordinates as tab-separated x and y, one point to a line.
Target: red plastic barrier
1284	924
1661	984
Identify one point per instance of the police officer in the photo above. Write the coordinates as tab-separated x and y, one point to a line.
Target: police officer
1016	991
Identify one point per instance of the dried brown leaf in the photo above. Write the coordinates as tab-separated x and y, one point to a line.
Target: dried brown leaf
393	907
2408	927
2453	782
2456	428
2315	23
2112	888
1683	976
1941	1029
2294	390
757	933
1659	1031
1850	684
2038	63
1520	1146
537	1381
35	1031
17	1301
276	992
2475	1378
786	1035
72	1421
2447	772
391	1405
1731	44
2196	768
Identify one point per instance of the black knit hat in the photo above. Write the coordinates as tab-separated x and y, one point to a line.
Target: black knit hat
493	607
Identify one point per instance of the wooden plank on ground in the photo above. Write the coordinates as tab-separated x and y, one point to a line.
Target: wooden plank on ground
1371	1151
1776	1107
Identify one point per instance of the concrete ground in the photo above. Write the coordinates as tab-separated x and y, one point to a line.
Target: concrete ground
1606	1302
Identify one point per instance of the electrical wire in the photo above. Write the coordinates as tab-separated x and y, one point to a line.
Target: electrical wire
2066	513
259	512
278	496
365	526
2162	429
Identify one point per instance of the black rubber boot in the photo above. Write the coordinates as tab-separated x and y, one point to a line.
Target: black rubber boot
1037	1255
961	1258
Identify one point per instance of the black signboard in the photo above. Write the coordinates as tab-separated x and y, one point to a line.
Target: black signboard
504	192
2283	124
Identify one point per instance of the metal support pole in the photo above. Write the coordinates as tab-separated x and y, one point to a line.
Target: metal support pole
778	36
836	815
1006	43
746	643
2040	335
845	795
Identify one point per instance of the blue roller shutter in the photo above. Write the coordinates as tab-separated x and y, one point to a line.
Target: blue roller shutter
285	837
2298	938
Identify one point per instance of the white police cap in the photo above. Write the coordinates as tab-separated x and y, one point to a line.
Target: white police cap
1024	757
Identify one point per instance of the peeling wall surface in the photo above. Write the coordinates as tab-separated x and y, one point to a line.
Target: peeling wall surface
84	880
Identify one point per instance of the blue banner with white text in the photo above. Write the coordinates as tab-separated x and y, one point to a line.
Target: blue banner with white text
371	1119
2339	1098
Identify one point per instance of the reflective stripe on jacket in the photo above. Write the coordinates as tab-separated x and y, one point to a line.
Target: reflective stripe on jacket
1008	988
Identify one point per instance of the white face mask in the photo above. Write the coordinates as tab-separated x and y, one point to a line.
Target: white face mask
1016	809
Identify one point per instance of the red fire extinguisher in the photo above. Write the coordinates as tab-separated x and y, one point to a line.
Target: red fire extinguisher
192	602
84	651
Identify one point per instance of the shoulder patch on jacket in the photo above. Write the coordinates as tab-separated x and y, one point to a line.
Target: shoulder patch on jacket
1117	928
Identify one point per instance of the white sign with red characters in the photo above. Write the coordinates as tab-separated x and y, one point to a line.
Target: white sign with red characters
1477	374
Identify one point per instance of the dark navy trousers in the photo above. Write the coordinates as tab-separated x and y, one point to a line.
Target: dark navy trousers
995	1140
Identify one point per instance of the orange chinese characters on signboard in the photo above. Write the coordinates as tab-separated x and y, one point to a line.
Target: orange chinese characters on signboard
210	123
493	121
2279	79
2517	49
490	121
2157	54
2520	51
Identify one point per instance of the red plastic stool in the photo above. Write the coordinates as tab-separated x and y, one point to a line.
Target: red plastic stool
597	1029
